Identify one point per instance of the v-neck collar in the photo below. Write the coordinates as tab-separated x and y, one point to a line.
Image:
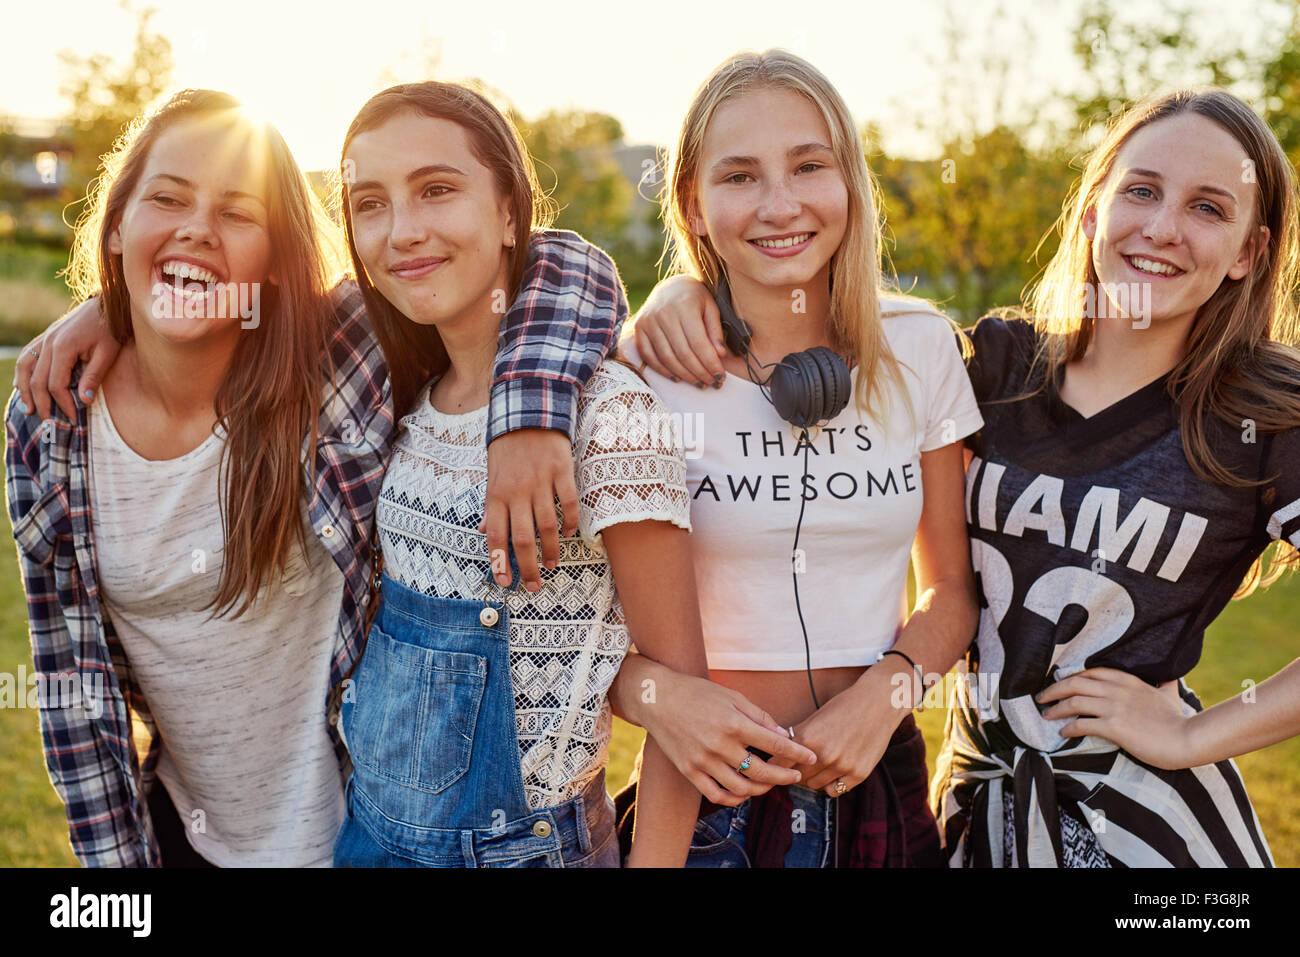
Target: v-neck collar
1045	434
1114	416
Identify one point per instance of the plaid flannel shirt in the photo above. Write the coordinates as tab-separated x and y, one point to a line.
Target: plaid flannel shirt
564	321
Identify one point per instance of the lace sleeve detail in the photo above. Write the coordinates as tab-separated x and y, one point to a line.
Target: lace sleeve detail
628	452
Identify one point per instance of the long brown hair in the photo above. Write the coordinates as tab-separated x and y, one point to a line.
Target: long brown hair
857	272
269	401
1241	362
415	352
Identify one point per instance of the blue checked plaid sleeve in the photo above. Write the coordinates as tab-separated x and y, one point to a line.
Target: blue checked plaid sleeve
80	766
565	320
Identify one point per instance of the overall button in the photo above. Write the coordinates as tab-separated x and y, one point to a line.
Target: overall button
542	829
328	531
488	617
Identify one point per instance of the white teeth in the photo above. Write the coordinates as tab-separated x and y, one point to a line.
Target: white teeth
779	243
186	271
1151	266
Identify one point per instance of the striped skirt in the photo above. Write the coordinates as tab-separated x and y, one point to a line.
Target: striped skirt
1088	804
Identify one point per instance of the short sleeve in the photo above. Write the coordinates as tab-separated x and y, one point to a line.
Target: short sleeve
951	410
1002	350
628	455
1281	493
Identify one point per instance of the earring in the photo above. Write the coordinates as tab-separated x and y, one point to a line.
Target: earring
510	242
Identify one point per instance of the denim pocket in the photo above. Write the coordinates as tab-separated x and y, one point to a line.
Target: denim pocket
415	711
718	841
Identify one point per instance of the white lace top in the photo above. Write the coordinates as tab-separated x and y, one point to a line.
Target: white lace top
567	641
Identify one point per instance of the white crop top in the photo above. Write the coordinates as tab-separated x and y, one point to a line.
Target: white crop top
744	466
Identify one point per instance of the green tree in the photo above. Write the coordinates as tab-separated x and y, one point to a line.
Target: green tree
574	150
577	166
1281	83
964	225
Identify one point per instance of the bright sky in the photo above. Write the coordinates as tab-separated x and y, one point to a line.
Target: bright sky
309	66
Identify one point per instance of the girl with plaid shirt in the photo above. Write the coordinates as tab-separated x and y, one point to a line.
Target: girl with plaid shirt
277	484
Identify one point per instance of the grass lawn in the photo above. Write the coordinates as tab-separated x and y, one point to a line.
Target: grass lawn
1251	640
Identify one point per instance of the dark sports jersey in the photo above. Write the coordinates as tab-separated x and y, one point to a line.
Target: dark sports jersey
1095	544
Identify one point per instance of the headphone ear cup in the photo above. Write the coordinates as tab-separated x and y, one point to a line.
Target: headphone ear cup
826	376
789	389
811	388
817	394
839	384
784	391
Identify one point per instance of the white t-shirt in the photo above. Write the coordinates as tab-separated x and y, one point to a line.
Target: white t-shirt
568	640
863	490
246	756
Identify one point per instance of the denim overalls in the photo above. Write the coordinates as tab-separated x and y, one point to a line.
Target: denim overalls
430	724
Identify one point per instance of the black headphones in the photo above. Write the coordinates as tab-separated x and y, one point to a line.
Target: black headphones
805	387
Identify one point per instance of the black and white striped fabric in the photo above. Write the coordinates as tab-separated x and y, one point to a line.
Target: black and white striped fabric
1095	544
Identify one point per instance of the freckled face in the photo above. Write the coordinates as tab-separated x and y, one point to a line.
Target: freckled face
772	199
1177	211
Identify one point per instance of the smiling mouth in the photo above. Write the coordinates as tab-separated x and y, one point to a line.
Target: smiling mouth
1152	267
415	268
785	242
185	281
177	270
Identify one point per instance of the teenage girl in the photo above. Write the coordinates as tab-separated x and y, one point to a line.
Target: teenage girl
480	724
195	538
770	204
1140	451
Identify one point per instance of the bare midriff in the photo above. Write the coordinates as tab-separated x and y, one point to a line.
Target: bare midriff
784	694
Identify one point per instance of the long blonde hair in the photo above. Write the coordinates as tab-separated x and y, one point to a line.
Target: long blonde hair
269	401
1241	362
856	267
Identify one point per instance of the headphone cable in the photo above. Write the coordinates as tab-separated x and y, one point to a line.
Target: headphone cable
794	566
832	822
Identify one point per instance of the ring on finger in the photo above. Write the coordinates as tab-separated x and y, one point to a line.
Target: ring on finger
33	352
744	765
840	787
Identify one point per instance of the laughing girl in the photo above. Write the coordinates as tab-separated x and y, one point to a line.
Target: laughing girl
195	538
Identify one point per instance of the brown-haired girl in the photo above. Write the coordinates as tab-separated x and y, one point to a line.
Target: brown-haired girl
479	722
195	537
1148	453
